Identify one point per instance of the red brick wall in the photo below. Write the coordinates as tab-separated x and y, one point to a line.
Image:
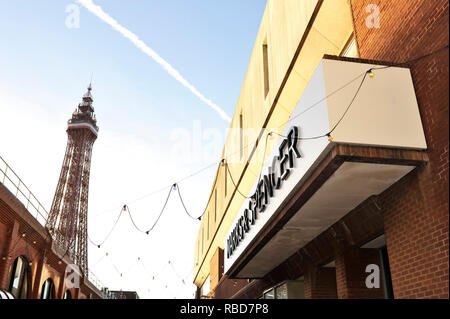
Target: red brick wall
37	251
413	213
18	240
416	209
320	283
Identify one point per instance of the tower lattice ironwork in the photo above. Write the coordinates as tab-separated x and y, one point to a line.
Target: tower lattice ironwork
68	217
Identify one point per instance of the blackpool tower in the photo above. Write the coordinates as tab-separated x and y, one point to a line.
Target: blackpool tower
67	220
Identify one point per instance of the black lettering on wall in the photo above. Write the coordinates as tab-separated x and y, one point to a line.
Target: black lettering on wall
277	173
292	138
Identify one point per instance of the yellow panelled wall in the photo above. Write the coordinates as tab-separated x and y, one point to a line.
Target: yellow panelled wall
297	33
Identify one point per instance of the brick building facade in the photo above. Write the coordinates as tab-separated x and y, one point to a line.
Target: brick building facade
415	211
403	229
31	266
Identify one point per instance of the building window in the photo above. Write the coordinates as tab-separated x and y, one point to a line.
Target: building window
67	295
379	243
48	290
281	292
226	179
204	291
270	294
266	67
4	294
198	251
290	289
241	135
18	285
215	205
350	49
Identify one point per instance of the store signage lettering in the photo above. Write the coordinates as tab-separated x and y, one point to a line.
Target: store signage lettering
278	172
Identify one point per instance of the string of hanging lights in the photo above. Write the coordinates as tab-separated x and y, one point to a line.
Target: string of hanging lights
223	162
175	186
152	276
369	72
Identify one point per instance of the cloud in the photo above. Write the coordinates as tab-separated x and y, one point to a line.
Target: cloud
98	11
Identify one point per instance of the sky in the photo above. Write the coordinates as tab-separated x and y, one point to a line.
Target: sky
166	76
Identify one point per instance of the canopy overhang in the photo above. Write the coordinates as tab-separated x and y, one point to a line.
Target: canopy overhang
375	140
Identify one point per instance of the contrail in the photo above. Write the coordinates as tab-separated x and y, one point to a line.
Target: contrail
98	11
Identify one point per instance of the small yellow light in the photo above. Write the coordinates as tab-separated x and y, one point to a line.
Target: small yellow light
330	139
371	74
23	235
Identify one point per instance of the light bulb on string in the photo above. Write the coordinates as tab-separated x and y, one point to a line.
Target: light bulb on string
329	137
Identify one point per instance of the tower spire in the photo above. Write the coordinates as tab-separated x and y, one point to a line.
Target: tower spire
84	113
67	221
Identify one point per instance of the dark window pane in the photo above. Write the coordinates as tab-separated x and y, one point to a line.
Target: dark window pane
19	278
